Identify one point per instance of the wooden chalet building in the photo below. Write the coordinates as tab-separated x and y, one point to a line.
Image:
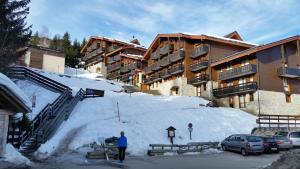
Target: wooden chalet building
125	64
97	50
262	80
179	64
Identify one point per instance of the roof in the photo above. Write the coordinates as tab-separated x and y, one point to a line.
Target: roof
12	97
46	49
201	37
92	38
234	35
254	50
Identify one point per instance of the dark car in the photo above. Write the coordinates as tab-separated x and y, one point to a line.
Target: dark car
243	143
270	145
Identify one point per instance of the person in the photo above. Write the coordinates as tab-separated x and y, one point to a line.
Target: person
122	145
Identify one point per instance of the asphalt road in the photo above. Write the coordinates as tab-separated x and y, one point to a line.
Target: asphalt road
203	161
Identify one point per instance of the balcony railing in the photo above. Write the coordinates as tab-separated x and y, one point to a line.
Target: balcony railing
177	69
165	73
125	78
288	72
100	50
113	67
238	72
178	55
125	69
136	65
114	75
166	49
94	46
110	60
94	53
149	80
156	66
165	61
112	48
236	89
199	65
93	60
117	57
89	49
199	51
148	69
199	79
155	55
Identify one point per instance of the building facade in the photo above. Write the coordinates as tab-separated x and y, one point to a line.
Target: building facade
179	64
43	58
261	80
126	64
97	50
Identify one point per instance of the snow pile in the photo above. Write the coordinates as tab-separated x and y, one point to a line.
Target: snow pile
4	80
82	81
144	118
43	96
13	156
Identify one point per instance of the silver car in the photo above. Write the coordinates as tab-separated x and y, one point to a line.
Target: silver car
243	143
294	138
283	142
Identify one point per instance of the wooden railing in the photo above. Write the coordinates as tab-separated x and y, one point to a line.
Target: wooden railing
279	121
230	90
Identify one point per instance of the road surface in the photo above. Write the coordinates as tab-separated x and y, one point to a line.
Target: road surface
203	161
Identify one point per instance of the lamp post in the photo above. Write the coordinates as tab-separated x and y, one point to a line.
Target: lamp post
76	67
171	133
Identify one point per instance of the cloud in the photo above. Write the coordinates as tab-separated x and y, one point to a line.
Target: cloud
257	20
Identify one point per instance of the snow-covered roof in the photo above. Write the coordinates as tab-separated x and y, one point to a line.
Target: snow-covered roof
5	81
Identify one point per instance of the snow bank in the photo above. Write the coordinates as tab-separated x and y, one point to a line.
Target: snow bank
13	156
4	80
144	118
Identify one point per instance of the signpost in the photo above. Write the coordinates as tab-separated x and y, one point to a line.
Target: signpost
190	128
171	133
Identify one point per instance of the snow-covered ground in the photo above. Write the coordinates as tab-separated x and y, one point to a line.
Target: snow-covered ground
43	96
144	118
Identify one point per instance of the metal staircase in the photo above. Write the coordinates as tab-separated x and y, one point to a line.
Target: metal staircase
46	123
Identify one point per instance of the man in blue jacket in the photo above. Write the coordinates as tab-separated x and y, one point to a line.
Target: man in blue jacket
122	145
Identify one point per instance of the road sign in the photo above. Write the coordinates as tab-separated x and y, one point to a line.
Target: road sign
190	128
190	125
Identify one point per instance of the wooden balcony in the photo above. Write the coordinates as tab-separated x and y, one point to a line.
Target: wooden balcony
199	79
125	78
114	75
89	49
100	50
199	51
166	49
94	46
125	69
199	65
238	72
176	56
149	80
288	72
113	67
156	66
155	55
112	48
236	89
165	73
136	65
94	53
117	57
110	60
177	69
94	60
148	69
165	61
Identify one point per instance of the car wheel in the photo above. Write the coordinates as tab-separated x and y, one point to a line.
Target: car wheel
243	152
224	148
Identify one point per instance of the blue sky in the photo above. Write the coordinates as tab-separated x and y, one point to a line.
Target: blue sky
258	21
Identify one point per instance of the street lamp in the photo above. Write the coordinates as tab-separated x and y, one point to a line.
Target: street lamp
171	133
76	67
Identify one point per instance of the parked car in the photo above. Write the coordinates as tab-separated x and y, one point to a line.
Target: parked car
294	137
283	142
243	143
270	145
282	133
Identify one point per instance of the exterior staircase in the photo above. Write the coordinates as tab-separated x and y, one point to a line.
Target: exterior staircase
46	123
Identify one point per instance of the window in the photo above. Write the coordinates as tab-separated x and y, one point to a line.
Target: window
251	97
198	91
245	62
288	98
204	87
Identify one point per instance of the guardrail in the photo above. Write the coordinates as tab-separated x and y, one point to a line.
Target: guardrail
160	149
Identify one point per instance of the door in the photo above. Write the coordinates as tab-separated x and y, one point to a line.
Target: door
242	101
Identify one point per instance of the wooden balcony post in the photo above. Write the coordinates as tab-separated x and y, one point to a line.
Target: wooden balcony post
298	52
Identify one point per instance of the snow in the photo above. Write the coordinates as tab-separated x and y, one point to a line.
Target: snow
143	117
4	80
43	96
13	156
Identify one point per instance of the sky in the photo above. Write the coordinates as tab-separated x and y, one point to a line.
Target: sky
257	21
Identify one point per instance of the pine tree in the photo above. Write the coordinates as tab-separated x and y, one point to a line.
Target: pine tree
14	33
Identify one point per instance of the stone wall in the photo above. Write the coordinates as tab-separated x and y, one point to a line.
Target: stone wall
3	131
